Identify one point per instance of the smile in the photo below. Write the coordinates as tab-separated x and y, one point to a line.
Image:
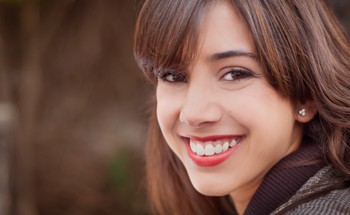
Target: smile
211	151
209	148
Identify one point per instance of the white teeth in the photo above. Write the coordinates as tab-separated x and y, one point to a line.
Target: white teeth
225	146
209	150
218	149
200	150
193	146
233	143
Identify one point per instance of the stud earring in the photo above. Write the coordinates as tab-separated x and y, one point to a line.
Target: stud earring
302	112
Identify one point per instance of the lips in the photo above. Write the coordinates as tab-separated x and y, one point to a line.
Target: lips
209	148
211	151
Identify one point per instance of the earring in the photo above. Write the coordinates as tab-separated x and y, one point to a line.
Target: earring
302	112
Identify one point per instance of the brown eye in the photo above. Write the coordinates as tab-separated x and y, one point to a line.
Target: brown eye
172	76
236	75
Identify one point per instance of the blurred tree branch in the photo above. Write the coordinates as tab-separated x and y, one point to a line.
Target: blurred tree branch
53	18
36	34
29	92
6	120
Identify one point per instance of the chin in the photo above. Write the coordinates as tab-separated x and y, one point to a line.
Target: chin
210	188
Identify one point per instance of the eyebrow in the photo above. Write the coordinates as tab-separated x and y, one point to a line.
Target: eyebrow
232	53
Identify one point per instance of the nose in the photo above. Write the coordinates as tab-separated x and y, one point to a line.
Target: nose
199	107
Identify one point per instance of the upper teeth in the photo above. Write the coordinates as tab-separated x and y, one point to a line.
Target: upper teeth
211	148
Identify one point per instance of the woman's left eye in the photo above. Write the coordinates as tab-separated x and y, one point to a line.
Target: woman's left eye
236	75
172	76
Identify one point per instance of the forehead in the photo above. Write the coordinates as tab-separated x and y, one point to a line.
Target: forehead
224	29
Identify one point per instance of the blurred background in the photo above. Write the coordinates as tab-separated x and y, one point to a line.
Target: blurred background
73	107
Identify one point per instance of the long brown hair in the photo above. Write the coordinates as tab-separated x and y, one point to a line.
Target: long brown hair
304	54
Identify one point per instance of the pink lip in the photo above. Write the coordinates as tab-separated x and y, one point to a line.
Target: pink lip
213	160
212	138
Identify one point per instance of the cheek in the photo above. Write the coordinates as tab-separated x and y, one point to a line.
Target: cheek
261	103
261	111
167	110
163	115
270	122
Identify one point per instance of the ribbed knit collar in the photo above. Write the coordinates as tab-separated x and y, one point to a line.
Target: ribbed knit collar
285	178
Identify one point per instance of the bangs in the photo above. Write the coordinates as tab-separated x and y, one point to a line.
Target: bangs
166	34
290	38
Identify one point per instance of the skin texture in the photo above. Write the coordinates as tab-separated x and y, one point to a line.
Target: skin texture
227	95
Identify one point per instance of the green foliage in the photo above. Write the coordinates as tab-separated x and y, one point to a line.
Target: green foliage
126	175
119	171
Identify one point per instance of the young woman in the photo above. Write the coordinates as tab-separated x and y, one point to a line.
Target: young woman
252	108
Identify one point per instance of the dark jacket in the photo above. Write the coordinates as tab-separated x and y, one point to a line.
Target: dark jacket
302	183
329	192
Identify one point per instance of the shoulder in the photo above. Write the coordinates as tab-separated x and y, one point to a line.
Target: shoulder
336	202
325	198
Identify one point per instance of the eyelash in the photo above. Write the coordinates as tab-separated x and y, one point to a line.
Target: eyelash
172	76
237	74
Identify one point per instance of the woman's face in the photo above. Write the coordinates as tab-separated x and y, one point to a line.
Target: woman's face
221	117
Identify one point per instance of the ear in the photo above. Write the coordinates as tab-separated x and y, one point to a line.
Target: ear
306	111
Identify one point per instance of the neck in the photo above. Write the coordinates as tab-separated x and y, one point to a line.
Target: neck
283	180
242	197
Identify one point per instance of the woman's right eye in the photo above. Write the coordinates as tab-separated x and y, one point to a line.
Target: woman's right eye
172	76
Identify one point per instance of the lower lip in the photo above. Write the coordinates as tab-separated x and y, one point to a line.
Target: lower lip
212	160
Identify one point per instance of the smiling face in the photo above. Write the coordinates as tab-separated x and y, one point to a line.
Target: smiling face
220	116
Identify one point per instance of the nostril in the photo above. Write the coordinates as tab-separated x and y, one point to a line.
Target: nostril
192	120
195	118
183	119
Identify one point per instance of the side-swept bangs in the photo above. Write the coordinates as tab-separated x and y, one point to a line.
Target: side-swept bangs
300	45
166	34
